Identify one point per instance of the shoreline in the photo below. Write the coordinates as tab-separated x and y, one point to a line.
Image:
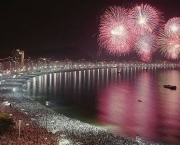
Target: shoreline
25	131
64	129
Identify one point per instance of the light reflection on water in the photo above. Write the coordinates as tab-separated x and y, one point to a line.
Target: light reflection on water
108	97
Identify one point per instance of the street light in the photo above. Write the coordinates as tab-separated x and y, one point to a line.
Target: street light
19	128
47	104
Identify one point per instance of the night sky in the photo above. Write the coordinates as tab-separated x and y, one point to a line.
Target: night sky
33	25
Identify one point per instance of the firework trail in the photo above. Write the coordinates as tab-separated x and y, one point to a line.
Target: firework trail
115	31
145	18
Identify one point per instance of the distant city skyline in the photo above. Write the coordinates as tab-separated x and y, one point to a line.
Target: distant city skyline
44	25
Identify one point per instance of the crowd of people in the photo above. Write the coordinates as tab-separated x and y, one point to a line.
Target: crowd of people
50	128
25	131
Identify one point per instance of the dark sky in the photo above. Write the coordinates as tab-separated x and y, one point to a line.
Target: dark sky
55	24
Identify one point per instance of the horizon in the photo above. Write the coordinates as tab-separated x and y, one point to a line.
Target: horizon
43	25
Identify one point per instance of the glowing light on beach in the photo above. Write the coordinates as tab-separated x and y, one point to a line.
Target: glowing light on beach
64	142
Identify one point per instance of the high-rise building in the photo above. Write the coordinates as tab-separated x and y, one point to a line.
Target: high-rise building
18	57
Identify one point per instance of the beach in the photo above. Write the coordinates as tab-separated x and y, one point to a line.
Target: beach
40	125
29	132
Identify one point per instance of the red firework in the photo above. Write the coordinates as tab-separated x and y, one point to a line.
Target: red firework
114	32
145	18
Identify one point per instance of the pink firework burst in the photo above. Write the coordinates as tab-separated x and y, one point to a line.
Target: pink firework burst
145	45
114	32
172	27
145	18
170	46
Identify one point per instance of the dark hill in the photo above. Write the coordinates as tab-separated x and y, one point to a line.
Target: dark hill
71	53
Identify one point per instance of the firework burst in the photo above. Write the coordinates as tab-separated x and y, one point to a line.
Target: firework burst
172	27
145	45
122	30
170	46
115	34
145	18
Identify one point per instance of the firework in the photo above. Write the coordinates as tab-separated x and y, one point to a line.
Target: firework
145	45
115	34
145	18
172	27
170	46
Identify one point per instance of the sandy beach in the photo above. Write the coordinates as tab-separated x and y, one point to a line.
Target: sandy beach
30	133
41	125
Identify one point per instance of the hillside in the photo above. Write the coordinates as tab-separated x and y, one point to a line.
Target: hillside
72	53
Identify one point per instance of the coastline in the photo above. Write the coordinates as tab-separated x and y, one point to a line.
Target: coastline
25	132
63	129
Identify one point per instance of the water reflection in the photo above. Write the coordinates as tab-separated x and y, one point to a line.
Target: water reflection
76	88
112	98
156	118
